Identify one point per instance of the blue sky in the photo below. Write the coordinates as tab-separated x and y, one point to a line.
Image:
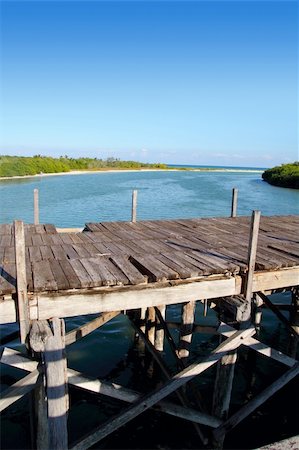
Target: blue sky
197	82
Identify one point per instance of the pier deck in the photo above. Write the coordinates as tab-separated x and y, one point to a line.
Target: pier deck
115	267
123	265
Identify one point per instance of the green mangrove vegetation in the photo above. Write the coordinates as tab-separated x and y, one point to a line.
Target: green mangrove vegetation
11	166
286	175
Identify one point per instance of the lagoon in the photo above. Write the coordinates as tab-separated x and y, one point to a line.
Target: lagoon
73	200
109	352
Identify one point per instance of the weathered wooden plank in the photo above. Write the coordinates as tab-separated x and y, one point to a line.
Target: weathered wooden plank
70	252
70	274
130	271
5	228
43	278
9	255
49	228
66	239
46	252
81	251
120	277
155	270
34	254
128	298
36	239
59	276
92	271
170	262
81	273
6	240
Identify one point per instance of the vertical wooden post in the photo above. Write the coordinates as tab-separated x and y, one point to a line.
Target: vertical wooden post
150	324
159	338
252	249
41	417
234	203
294	321
141	345
186	330
257	311
223	385
23	308
205	307
134	206
36	207
49	340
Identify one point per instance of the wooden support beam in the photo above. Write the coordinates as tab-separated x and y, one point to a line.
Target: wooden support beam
234	202
49	339
259	347
247	409
134	206
172	385
196	395
22	296
236	308
223	385
294	321
253	239
223	389
258	303
157	357
186	331
150	324
153	294
36	207
84	330
14	358
159	338
276	311
19	389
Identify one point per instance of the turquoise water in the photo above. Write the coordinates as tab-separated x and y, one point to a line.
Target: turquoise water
73	200
109	353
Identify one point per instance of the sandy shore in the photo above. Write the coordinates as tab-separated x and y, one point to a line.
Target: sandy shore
82	172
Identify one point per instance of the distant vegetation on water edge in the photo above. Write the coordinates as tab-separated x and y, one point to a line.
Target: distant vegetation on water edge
11	166
286	175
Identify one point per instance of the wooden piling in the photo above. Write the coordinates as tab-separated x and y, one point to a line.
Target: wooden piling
36	206
234	202
21	280
253	239
186	330
150	324
159	337
49	339
134	206
258	302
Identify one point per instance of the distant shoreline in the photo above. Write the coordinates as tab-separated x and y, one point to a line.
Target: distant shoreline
84	172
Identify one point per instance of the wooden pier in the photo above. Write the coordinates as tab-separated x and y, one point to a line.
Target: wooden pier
141	267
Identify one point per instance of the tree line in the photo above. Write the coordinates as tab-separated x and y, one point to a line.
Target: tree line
286	175
32	165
